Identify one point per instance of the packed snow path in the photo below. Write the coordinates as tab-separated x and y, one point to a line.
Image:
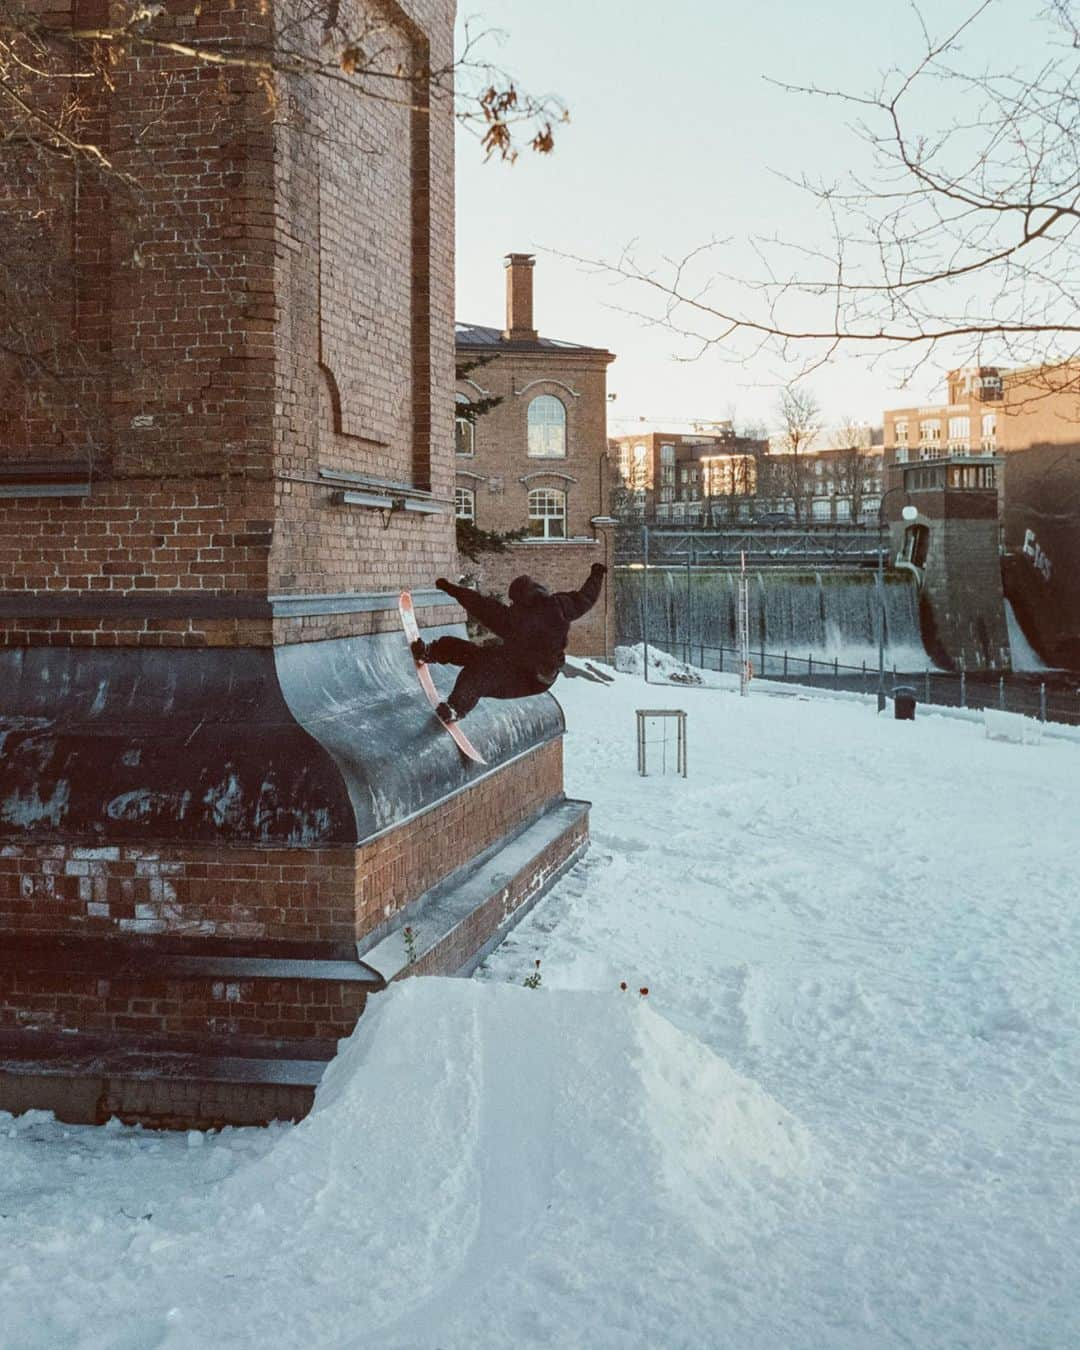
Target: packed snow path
847	1113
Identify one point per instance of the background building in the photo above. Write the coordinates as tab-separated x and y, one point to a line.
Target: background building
838	486
686	478
1023	428
537	460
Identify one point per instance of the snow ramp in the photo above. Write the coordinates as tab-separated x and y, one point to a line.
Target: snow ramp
487	1165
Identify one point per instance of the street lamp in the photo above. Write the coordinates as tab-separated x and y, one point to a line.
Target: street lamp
908	513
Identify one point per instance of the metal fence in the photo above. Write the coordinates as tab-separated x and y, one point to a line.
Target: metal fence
761	546
1053	696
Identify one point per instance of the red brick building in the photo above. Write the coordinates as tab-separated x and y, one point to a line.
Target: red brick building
219	780
989	411
840	485
671	475
538	459
698	477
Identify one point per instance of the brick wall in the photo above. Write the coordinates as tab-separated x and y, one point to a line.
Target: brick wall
501	472
962	578
276	300
315	895
561	567
268	321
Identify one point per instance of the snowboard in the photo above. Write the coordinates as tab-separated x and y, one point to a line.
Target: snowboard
412	632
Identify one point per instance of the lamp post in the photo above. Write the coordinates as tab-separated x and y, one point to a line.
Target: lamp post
909	513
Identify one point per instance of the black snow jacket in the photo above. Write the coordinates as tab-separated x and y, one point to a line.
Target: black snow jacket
535	626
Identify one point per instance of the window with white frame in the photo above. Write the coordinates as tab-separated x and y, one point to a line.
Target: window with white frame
464	504
843	508
464	429
989	430
960	434
901	454
901	433
547	427
929	432
547	513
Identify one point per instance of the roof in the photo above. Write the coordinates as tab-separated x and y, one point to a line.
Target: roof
474	335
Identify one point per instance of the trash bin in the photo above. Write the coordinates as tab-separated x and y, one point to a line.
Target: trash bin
904	703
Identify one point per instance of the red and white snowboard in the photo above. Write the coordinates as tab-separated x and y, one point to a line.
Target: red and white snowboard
412	632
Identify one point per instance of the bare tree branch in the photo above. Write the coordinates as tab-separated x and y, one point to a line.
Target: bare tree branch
964	235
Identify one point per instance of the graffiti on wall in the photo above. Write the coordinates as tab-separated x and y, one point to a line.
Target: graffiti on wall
1039	559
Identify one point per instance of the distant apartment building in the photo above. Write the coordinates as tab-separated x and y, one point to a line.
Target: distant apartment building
711	479
989	411
971	422
677	477
841	485
537	459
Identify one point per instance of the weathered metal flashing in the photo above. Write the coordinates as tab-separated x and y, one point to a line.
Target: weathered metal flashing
309	745
199	605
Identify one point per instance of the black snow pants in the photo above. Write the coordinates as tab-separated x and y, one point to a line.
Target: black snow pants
486	672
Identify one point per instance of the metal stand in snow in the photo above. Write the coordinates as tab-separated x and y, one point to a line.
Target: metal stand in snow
643	714
742	632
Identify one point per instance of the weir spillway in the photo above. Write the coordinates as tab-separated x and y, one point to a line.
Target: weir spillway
829	616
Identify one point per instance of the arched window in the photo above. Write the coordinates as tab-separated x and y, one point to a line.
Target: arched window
547	513
547	428
464	504
464	430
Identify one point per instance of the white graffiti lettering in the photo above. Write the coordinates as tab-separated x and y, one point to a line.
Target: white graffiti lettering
1040	561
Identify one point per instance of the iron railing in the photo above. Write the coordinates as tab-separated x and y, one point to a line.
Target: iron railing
1051	696
819	546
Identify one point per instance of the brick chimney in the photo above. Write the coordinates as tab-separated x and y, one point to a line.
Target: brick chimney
519	298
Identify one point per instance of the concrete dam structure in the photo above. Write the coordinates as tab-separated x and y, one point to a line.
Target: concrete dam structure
831	616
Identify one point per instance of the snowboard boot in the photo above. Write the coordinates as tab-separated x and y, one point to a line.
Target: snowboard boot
445	713
419	650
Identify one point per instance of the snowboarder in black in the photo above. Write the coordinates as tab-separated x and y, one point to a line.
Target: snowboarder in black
533	627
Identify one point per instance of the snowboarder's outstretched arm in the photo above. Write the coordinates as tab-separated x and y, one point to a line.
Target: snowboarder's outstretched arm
490	612
576	603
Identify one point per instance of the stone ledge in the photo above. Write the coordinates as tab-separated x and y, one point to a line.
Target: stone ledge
162	1090
115	959
493	892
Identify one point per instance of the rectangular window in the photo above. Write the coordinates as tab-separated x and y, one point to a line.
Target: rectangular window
960	434
929	432
901	433
547	513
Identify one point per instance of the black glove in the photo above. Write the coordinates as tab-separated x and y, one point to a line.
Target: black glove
442	584
598	570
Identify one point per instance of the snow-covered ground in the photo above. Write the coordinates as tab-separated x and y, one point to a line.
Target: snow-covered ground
847	1113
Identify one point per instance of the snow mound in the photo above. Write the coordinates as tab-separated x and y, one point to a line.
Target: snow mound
1013	727
667	669
485	1165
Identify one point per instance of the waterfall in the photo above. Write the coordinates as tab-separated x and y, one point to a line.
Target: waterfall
1023	655
819	616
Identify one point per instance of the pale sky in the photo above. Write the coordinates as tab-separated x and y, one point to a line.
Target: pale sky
677	138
